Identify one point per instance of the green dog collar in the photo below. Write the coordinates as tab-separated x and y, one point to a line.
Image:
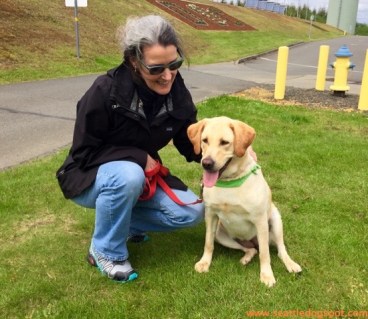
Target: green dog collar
238	182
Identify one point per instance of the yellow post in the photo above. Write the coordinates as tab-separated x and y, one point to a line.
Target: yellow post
281	71
363	99
322	67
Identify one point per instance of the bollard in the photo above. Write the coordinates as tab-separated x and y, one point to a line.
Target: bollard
363	99
322	67
281	71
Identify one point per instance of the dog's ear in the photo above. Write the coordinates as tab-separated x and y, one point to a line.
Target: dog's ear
194	132
243	137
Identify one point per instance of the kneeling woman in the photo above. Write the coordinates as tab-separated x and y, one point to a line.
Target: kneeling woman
123	120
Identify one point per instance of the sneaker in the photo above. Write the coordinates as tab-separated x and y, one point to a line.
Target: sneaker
121	271
137	238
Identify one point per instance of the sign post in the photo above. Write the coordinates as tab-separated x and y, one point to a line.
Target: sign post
310	25
76	4
76	26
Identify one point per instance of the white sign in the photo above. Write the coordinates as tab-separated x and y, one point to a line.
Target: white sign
71	3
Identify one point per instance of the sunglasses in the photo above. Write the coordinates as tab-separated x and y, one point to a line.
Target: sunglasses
160	68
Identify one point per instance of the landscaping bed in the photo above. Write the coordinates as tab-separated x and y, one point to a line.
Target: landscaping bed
201	16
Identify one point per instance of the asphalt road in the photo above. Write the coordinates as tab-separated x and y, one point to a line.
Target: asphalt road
37	118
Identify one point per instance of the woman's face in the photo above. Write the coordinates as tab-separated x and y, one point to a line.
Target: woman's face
156	55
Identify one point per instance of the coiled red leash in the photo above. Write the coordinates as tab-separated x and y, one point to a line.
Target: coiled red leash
154	177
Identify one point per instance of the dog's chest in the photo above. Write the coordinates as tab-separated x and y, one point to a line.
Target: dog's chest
236	220
234	217
233	199
237	211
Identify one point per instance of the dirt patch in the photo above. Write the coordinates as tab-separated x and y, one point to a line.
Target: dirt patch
201	16
310	98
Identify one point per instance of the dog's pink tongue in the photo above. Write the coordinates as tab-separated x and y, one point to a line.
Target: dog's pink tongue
210	178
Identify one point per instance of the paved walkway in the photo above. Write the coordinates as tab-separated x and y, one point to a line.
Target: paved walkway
37	118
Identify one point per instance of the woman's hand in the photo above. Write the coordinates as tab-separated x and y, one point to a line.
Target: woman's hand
151	163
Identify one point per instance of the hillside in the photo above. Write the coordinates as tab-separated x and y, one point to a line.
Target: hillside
38	36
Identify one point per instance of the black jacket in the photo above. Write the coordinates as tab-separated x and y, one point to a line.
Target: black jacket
112	125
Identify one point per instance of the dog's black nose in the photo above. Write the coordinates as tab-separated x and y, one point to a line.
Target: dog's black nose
208	163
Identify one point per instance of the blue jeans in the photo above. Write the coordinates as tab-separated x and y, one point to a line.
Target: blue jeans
114	195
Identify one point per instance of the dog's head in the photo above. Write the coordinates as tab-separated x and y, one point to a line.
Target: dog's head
219	139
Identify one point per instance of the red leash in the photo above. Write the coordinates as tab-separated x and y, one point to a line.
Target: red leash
154	177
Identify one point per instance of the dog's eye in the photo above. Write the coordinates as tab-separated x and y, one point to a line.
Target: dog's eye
205	140
223	143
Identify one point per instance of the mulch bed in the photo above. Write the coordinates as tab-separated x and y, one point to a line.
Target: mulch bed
201	16
309	98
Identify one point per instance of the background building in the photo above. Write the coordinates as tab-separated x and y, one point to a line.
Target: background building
342	14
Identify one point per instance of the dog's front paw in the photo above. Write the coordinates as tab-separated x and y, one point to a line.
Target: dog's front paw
292	266
268	278
202	266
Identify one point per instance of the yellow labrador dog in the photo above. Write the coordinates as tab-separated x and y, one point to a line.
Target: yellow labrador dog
239	213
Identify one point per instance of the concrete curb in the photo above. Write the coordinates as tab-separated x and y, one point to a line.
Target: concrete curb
253	57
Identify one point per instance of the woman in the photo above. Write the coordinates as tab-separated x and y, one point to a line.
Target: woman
122	122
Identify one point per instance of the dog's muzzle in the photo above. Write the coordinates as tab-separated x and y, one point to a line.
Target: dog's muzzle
208	164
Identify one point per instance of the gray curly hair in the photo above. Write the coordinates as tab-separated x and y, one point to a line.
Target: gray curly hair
139	32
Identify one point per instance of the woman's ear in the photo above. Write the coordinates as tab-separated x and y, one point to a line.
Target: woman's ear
134	63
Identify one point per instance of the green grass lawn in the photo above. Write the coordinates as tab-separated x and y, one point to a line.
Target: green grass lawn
316	164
